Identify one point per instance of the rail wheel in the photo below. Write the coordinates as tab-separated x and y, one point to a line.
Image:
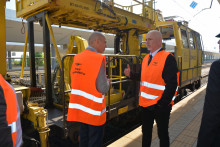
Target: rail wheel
198	84
192	86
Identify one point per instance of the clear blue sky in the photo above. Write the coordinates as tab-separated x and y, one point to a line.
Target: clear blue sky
206	22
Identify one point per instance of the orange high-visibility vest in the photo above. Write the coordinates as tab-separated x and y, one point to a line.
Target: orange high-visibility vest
152	84
86	105
11	111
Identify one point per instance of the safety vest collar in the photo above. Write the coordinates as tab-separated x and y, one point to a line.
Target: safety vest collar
153	86
86	109
87	95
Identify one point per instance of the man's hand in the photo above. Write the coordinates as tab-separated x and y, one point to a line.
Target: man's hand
127	71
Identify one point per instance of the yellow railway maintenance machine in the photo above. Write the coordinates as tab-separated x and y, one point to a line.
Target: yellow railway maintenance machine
186	46
107	17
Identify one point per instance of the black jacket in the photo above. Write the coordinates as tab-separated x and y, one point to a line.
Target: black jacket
209	134
170	78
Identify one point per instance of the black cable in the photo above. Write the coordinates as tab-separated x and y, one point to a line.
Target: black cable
204	8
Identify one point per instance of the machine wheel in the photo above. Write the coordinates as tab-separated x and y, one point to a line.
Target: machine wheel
183	92
192	86
198	84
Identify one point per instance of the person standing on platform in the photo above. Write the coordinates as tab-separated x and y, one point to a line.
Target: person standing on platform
89	85
158	87
209	133
10	125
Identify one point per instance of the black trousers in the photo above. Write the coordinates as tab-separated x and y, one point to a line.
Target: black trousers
162	116
91	136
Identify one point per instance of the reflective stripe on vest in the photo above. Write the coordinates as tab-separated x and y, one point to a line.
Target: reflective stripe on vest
13	127
86	109
87	95
148	96
175	94
153	86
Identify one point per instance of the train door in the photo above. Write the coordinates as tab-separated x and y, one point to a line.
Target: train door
185	54
192	59
199	48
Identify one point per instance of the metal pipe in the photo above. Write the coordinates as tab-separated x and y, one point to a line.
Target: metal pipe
122	81
24	55
63	92
109	94
53	40
32	53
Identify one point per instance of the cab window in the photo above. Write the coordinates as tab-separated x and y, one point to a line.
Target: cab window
191	41
198	41
184	39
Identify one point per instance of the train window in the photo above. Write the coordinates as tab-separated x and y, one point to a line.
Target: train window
191	41
184	39
198	41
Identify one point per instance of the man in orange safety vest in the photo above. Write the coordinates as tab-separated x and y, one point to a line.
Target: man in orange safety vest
88	87
158	88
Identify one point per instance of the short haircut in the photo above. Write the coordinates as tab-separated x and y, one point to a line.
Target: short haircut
157	33
95	35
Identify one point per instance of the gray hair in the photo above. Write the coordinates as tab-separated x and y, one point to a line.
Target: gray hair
95	35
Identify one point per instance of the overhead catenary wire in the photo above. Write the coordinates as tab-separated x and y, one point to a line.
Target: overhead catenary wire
204	9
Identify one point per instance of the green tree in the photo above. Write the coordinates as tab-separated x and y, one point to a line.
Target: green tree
39	61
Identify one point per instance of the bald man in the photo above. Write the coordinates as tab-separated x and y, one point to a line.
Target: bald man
88	87
158	85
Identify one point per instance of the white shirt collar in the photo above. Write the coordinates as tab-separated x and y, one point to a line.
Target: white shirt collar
154	53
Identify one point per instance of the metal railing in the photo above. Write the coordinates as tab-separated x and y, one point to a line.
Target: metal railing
15	63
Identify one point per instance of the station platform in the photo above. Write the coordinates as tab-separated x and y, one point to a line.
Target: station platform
184	124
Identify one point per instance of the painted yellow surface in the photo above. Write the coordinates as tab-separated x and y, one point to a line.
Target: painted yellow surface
2	38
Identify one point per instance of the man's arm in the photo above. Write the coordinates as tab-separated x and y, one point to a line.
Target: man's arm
170	77
102	84
5	135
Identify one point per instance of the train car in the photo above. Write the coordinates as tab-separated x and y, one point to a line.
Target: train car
209	57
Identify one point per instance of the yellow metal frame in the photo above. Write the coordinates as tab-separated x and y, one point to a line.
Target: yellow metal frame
87	14
39	116
3	68
24	55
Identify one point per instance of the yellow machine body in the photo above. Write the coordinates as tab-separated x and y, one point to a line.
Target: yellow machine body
186	46
2	38
87	14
